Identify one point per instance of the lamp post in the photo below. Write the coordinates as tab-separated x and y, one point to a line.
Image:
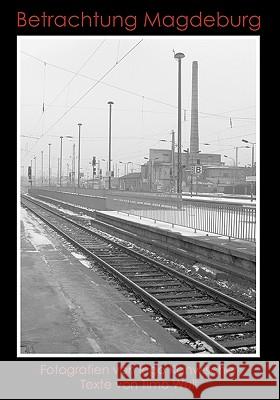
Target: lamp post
149	171
57	171
73	166
172	158
179	57
79	154
252	163
129	162
253	151
42	167
151	164
236	153
34	170
110	139
49	164
230	158
234	174
60	168
31	172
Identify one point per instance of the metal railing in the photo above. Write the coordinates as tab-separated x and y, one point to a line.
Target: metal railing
233	220
230	220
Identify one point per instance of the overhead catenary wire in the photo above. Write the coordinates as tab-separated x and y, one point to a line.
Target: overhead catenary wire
131	92
91	88
76	73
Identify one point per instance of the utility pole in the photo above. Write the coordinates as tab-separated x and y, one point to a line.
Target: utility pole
49	164
93	170
99	175
34	170
252	186
252	166
172	159
58	170
31	173
42	167
179	57
73	165
253	161
110	139
60	174
79	154
151	175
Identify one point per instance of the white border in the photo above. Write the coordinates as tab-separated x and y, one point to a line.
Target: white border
165	355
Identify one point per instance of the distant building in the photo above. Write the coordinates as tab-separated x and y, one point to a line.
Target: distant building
131	182
225	179
157	172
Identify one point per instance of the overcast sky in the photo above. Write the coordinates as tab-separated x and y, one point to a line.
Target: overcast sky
227	89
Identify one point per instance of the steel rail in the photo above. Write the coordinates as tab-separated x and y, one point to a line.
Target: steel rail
191	330
238	305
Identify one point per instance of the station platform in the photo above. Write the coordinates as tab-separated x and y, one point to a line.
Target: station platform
241	246
68	308
234	257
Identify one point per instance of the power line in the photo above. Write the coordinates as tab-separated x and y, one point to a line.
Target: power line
77	72
220	115
67	84
91	87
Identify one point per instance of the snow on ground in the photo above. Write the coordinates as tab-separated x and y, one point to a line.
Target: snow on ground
163	225
224	224
34	231
221	199
83	260
182	230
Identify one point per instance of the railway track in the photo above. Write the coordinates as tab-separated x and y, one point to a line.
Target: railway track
205	314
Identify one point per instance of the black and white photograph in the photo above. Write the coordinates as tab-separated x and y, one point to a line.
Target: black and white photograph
138	168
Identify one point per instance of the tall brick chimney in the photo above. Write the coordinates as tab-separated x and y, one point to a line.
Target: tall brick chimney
194	140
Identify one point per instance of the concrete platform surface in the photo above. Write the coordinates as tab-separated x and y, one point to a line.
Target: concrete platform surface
67	308
242	246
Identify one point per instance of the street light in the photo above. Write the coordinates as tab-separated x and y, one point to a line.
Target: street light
252	163
60	168
31	172
110	138
79	154
34	170
42	167
151	168
179	57
172	157
129	162
152	172
60	172
230	158
236	152
125	166
49	164
253	148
